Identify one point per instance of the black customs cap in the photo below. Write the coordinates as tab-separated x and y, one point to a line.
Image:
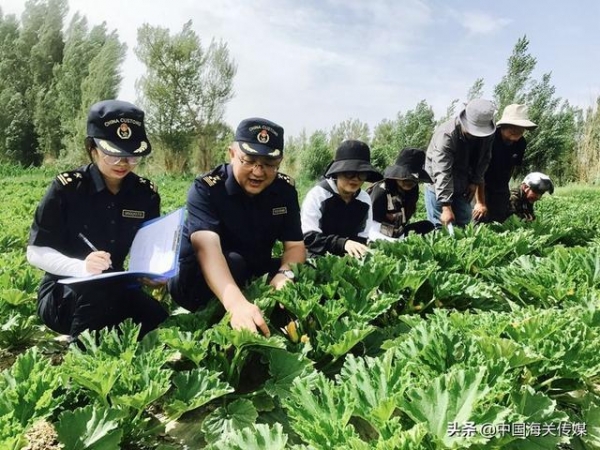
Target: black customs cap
118	128
260	137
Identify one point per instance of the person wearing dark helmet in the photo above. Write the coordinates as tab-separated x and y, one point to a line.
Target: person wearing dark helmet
106	203
532	188
395	197
336	213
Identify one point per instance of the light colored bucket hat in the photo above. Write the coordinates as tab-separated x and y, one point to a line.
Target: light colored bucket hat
477	118
517	115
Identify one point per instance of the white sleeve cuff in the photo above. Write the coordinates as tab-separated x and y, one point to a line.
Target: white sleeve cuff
54	262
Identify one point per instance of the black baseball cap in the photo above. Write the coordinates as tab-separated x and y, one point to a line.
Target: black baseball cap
260	137
117	128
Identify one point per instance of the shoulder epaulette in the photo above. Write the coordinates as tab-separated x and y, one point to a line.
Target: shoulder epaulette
150	184
286	178
212	180
66	178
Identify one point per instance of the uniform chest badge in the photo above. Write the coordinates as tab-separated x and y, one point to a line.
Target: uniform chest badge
279	211
133	214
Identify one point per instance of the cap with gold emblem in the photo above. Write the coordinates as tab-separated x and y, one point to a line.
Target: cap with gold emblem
118	128
260	137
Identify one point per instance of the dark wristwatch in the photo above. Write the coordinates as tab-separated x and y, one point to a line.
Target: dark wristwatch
288	273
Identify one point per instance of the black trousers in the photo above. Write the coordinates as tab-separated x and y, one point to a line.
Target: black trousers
71	309
497	204
190	290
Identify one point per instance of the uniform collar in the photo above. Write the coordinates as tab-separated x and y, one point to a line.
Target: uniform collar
231	185
98	183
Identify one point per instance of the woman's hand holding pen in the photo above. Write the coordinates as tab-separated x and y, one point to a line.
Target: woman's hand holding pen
97	262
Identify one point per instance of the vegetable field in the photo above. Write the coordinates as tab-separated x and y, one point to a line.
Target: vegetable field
486	340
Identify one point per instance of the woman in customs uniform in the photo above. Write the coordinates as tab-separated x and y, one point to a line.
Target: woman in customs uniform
85	225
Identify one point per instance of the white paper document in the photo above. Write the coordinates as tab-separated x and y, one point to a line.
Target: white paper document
154	251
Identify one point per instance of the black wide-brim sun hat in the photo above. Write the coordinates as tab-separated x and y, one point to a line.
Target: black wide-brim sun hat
403	173
353	156
408	166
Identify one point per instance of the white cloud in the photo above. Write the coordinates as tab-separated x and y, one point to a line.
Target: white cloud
482	23
314	63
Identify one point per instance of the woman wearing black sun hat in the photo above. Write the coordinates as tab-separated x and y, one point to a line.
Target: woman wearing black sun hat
395	197
336	213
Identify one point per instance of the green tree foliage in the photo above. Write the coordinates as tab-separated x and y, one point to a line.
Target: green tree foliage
9	63
551	146
520	65
315	157
41	44
49	79
588	149
476	91
348	129
292	151
184	93
89	73
412	129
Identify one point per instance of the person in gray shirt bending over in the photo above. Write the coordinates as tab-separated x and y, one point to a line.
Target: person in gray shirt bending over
457	158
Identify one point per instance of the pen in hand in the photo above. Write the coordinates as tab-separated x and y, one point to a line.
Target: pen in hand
90	245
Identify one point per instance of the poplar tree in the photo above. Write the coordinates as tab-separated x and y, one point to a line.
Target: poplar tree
184	93
411	129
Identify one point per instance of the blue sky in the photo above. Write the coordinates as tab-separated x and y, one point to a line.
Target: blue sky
312	64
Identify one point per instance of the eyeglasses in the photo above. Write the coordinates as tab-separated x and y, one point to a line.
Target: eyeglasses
362	176
251	165
114	160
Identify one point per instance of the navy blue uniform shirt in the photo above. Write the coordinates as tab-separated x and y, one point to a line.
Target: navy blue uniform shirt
79	202
248	225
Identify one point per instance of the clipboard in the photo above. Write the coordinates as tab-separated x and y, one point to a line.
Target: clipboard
154	251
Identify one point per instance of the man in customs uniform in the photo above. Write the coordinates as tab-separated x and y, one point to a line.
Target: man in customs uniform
236	213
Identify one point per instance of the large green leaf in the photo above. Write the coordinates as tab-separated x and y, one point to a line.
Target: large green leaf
459	397
284	367
238	415
226	336
192	390
375	384
536	408
96	374
342	336
591	420
90	428
517	355
190	345
400	440
28	389
319	411
255	437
